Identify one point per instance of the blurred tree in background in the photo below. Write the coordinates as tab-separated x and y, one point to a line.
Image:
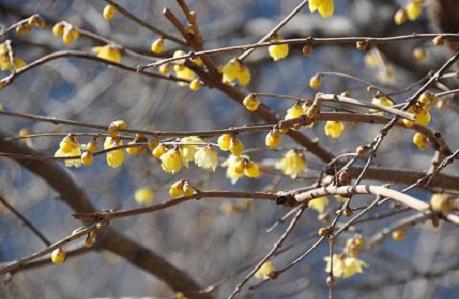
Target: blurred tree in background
220	149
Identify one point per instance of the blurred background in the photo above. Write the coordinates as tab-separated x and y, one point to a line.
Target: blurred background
204	238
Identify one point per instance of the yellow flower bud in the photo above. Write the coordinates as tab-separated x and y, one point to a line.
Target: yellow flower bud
165	68
399	234
108	52
92	146
421	141
58	256
266	270
251	102
413	10
70	34
87	158
157	47
315	82
294	112
109	12
273	138
144	196
133	150
195	85
58	29
278	52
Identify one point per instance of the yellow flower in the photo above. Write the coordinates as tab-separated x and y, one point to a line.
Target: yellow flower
423	116
421	141
185	73
115	158
251	102
133	150
325	7
58	256
244	75
266	270
223	142
108	52
413	10
5	63
354	245
294	112
68	144
427	98
234	70
232	171
231	70
318	203
144	196
171	161
345	266
176	189
272	139
188	189
69	147
236	146
293	163
109	12
178	54
187	152
251	169
159	150
382	101
157	46
278	52
115	126
206	157
333	128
